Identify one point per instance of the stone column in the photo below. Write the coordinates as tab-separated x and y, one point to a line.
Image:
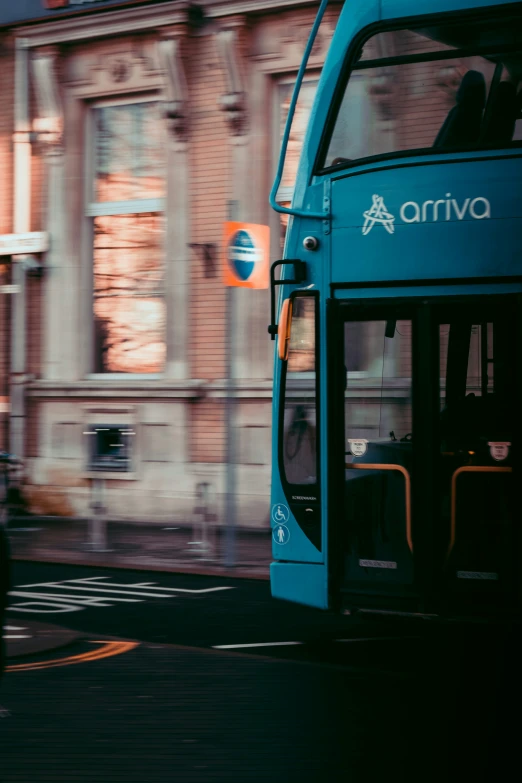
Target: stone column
21	224
234	104
59	282
177	273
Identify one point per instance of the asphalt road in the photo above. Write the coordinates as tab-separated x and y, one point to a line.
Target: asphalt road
312	697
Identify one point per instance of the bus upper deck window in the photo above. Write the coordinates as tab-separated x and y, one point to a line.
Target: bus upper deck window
457	86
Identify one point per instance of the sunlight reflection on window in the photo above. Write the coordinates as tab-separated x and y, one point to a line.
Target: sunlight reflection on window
130	152
129	306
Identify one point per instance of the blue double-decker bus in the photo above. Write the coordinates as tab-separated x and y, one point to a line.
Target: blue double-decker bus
397	318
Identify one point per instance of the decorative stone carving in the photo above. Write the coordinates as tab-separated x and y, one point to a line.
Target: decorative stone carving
119	68
112	67
286	38
175	92
299	34
233	102
48	122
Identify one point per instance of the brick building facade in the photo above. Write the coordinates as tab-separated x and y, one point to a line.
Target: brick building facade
130	132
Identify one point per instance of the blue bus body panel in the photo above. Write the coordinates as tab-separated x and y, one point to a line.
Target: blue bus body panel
452	220
293	543
300	582
475	233
393	9
296	546
357	15
402	291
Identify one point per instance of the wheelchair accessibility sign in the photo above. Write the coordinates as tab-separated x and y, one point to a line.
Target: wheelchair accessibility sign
281	534
280	514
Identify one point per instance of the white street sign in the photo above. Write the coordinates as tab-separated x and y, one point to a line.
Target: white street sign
23	244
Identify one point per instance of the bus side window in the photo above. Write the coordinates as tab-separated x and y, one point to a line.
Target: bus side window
300	395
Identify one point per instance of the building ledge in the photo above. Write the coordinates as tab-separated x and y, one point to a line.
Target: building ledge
242	389
121	389
103	389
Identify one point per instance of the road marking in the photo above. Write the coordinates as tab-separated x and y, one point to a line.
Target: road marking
16	636
146	585
377	639
49	598
80	599
150	585
108	650
258	644
103	589
288	644
15	628
58	608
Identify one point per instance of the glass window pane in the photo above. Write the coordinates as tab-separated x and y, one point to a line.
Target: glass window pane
400	43
476	382
296	140
378	381
129	152
411	106
129	305
300	412
297	132
437	103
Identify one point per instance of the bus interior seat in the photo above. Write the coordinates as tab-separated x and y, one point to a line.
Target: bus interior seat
500	124
462	125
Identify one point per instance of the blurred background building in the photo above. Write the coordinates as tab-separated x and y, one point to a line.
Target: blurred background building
129	133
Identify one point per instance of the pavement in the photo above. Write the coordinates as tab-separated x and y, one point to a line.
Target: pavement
175	548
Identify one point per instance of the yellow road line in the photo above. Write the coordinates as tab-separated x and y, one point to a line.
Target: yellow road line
107	651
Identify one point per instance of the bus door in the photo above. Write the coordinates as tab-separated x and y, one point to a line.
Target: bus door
374	536
428	394
479	422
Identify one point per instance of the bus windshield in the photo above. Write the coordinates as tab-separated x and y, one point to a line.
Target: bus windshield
442	88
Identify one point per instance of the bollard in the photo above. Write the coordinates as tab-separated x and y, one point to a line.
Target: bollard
202	517
98	521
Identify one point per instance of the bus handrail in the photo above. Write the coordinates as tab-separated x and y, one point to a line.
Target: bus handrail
457	473
286	136
407	485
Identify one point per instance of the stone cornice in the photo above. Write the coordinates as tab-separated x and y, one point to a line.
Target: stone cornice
106	23
130	20
220	8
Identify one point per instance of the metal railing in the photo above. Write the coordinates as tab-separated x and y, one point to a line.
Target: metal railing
407	487
458	472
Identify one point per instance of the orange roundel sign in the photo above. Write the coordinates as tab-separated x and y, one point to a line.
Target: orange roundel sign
246	255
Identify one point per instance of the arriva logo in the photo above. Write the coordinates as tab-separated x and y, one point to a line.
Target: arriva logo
429	211
378	214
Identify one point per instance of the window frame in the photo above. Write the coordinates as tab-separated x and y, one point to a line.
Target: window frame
285	194
352	64
93	209
288	486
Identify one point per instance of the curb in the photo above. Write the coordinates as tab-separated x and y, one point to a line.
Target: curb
181	568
